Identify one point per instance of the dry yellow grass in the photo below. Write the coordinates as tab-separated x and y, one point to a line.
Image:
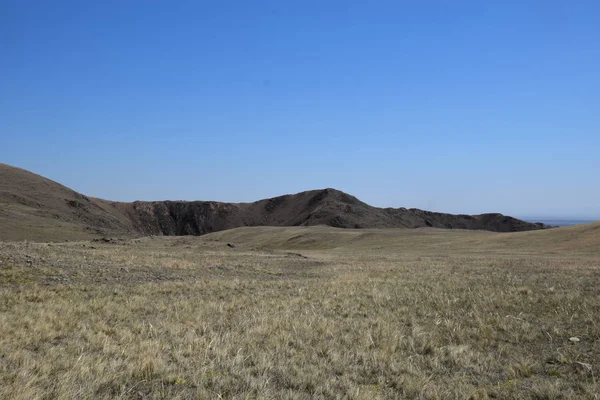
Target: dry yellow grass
304	313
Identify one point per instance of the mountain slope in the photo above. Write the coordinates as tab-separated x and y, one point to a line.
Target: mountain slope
33	207
36	208
316	207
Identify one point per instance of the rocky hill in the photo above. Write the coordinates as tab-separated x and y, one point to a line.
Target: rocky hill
33	207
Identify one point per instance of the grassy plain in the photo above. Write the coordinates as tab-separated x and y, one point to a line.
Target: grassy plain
304	313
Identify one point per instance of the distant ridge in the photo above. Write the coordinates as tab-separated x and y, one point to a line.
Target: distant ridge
560	221
33	207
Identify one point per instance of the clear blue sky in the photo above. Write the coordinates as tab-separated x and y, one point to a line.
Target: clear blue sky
468	107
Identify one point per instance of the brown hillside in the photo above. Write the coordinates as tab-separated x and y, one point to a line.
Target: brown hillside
36	208
33	207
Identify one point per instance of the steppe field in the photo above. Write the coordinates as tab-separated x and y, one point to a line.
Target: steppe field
304	313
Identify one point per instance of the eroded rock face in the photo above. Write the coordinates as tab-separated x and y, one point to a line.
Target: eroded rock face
184	218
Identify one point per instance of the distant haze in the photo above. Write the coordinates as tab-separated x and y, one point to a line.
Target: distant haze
559	221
